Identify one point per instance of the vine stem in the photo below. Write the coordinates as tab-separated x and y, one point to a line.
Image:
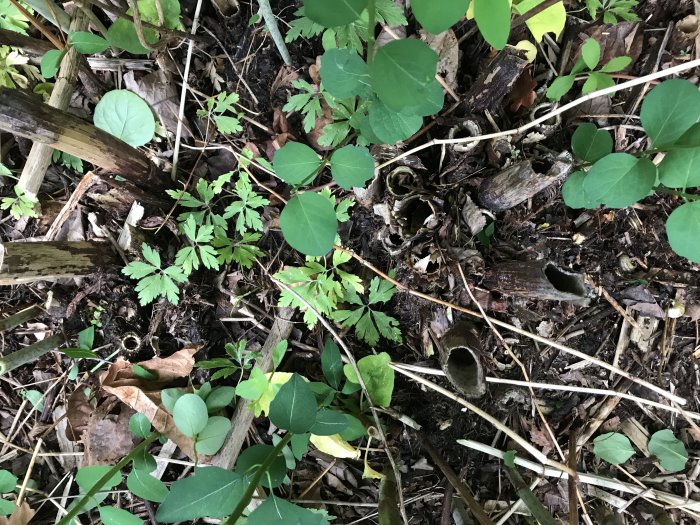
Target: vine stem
100	482
372	11
273	28
562	109
682	194
247	496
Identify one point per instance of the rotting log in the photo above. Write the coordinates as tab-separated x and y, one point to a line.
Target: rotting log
25	115
496	82
26	262
536	280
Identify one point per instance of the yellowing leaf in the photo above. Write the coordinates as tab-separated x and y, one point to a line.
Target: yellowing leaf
369	472
551	20
276	379
335	446
529	49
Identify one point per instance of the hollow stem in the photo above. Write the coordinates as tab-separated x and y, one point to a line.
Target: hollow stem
238	512
273	28
29	353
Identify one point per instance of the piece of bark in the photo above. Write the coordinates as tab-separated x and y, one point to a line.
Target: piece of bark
25	115
520	182
242	416
496	82
535	280
26	262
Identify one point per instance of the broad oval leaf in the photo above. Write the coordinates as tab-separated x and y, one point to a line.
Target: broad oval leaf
436	17
309	224
88	476
344	73
190	414
682	228
7	507
332	363
391	126
352	166
332	13
251	459
574	194
296	163
402	71
122	34
210	440
669	110
8	481
50	62
139	425
680	168
294	407
117	516
669	450
220	397
169	396
590	52
560	87
616	64
619	179
590	143
126	116
212	492
493	19
276	511
329	422
613	447
146	486
87	43
377	376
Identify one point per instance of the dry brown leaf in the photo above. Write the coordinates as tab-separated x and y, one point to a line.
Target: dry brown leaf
168	369
78	411
541	438
447	48
107	438
160	93
523	94
21	516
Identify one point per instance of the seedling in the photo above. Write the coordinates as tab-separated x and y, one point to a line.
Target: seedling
21	205
615	448
217	107
155	281
613	10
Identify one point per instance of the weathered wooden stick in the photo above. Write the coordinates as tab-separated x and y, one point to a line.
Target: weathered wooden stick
29	353
536	280
21	317
39	157
25	262
24	115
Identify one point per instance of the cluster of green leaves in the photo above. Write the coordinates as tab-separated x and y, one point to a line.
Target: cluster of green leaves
239	359
586	65
12	19
613	10
217	107
155	281
21	205
669	115
15	69
615	448
8	484
69	161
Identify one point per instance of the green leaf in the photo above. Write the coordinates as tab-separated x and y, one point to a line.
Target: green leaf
560	87
278	353
597	81
296	163
139	425
345	74
294	407
619	180
126	116
8	481
590	52
335	13
299	445
144	462
86	338
377	376
355	430
669	110
220	397
87	43
169	396
50	62
6	507
254	387
391	126
616	64
78	353
613	447
669	450
402	71
380	290
145	486
590	143
143	373
251	459
436	17
680	168
212	492
352	166
573	193
276	511
122	34
309	224
87	477
329	422
682	228
35	397
493	19
332	363
190	414
551	20
117	516
210	440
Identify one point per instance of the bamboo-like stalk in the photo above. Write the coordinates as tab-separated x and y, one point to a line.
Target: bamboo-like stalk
29	353
273	28
18	318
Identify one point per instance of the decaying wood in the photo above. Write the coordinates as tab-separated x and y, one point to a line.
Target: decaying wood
24	115
520	182
535	280
242	416
39	157
494	84
26	262
460	350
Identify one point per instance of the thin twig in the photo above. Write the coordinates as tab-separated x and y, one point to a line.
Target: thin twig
273	28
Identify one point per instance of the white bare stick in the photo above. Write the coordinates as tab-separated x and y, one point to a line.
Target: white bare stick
562	109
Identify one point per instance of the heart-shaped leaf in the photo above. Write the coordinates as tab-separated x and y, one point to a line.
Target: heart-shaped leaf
669	450
669	110
296	163
309	224
590	143
126	116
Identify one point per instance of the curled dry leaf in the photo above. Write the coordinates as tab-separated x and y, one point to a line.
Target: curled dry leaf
107	437
523	93
447	47
78	411
21	516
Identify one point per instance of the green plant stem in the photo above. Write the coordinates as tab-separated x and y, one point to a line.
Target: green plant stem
372	11
100	482
539	512
29	353
21	317
238	512
682	194
273	28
